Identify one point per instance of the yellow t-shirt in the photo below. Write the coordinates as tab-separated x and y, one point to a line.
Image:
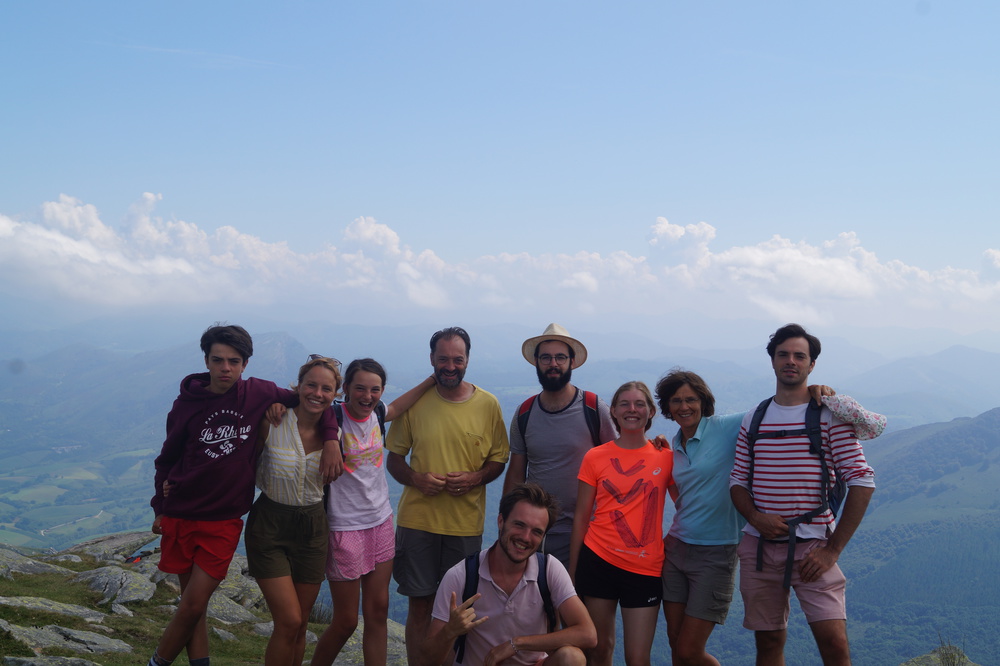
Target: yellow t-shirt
441	436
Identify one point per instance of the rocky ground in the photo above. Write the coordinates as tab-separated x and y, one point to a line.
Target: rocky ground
124	585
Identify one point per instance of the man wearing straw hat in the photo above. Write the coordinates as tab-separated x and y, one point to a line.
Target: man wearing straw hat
552	431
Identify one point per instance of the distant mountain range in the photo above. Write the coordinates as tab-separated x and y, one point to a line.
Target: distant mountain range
81	422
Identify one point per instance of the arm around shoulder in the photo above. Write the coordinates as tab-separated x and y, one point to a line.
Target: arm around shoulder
408	399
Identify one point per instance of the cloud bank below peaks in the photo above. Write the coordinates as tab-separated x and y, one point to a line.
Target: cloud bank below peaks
70	254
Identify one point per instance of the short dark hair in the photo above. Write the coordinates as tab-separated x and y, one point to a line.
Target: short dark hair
363	365
638	386
572	352
533	494
451	332
789	331
322	362
672	382
227	334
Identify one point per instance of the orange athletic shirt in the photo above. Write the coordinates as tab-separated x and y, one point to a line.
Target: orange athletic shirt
627	527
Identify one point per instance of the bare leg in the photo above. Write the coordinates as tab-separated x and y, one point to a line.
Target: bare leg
638	627
688	636
290	604
188	627
566	656
602	612
771	647
418	625
375	608
345	595
831	639
307	593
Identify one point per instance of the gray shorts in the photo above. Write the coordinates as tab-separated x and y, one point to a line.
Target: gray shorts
422	558
701	577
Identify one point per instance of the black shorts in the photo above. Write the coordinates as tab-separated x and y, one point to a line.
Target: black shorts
599	579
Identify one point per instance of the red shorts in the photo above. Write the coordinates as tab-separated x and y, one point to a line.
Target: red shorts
208	543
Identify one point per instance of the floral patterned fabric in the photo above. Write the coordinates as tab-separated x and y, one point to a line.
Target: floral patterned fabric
867	425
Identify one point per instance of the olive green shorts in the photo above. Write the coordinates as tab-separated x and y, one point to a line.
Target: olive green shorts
284	540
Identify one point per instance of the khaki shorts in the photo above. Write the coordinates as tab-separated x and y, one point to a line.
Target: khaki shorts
700	577
766	602
284	540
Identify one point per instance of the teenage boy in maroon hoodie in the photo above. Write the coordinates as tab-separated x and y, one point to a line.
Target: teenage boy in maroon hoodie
209	460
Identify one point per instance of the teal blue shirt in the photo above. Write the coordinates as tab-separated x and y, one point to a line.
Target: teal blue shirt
705	515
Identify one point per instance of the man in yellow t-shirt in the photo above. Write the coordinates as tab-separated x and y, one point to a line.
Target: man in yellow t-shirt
457	443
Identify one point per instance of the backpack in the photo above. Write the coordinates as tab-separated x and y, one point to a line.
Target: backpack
832	495
338	409
590	413
472	584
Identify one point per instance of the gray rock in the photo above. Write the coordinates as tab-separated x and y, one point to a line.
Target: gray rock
224	635
53	636
39	604
239	586
353	655
227	611
47	661
118	609
113	546
12	562
267	628
65	557
118	584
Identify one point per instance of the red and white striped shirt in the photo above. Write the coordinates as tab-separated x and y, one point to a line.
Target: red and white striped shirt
787	477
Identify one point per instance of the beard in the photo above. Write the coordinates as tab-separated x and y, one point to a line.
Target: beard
449	381
504	542
553	382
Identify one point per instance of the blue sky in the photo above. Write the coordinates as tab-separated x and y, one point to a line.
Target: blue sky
594	163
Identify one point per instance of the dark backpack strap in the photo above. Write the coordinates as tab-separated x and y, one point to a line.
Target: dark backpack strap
523	412
752	435
593	416
543	589
471	585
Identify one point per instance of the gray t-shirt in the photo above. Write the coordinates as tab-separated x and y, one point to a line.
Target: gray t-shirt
556	444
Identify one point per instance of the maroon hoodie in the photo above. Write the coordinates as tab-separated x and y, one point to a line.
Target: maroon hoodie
210	453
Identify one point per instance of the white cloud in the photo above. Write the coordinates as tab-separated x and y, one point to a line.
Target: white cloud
666	232
69	253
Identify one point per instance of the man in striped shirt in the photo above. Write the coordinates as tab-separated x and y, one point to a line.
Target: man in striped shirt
785	484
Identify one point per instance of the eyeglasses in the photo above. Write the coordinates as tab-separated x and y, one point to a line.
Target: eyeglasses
677	402
546	359
320	357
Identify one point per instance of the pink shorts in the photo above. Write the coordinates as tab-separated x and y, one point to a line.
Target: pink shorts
354	553
766	602
208	543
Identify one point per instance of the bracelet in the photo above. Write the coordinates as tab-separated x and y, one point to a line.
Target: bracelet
512	646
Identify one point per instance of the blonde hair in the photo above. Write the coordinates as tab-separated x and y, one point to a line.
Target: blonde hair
322	362
638	386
